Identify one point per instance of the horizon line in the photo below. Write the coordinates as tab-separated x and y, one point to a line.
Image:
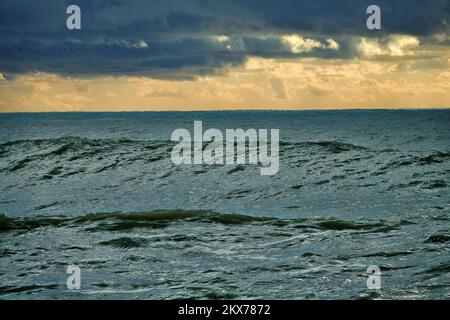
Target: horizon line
237	110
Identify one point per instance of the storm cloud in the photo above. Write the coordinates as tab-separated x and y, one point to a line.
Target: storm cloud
186	39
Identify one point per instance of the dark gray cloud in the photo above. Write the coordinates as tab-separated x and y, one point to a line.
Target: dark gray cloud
174	39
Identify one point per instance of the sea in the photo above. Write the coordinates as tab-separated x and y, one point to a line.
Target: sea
355	189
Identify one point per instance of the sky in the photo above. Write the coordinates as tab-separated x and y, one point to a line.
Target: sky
223	54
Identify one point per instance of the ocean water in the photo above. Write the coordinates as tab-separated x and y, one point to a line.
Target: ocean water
355	188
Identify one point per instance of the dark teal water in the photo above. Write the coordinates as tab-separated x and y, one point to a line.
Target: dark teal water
355	188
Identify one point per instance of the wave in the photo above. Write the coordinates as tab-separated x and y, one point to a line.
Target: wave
161	218
64	157
26	288
73	142
330	146
419	160
67	139
23	153
58	154
69	144
438	238
75	148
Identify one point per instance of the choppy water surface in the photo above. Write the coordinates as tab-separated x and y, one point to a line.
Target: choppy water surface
355	188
